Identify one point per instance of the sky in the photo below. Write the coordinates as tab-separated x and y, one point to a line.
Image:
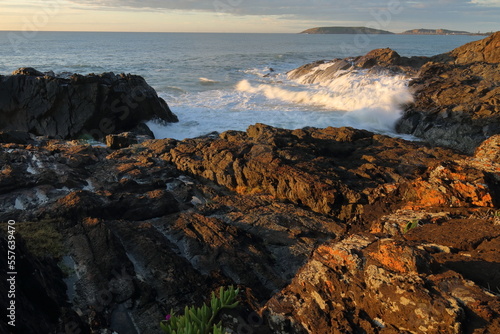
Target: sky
259	16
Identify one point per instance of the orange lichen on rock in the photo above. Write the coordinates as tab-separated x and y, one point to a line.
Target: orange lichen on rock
426	194
89	221
336	257
477	193
396	256
7	170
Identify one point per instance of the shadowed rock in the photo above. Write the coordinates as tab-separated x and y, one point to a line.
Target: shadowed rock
78	106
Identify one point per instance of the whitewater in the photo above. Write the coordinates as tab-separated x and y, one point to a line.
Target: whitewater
356	98
219	82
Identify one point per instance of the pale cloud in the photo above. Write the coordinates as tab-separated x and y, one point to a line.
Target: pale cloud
281	15
487	3
240	7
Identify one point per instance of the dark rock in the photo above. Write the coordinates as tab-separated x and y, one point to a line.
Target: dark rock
143	130
78	107
16	137
121	140
29	71
39	290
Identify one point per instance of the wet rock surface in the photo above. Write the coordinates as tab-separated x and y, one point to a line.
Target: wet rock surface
330	230
77	106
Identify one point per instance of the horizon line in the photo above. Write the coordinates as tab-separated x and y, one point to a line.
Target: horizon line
225	32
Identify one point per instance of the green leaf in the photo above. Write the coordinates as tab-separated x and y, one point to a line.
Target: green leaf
233	305
411	225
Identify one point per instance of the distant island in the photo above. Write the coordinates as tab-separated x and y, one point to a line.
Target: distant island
365	30
435	32
345	30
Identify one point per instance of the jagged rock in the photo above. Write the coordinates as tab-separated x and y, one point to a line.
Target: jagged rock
377	61
324	230
361	284
347	170
457	97
487	155
79	106
388	58
486	50
379	57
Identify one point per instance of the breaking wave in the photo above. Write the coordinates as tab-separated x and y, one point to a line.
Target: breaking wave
366	100
317	96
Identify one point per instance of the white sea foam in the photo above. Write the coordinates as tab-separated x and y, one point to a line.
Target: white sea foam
174	63
358	99
366	100
206	81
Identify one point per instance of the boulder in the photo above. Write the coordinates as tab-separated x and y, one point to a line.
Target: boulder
78	106
124	139
380	57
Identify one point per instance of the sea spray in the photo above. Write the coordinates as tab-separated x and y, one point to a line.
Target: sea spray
359	99
366	100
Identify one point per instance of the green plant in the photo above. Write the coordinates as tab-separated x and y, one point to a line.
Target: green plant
199	320
411	225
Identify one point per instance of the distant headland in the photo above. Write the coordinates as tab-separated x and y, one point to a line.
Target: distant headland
365	30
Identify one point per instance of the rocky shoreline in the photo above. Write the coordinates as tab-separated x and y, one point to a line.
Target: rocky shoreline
456	94
332	230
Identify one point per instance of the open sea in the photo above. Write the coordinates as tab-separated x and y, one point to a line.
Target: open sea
218	82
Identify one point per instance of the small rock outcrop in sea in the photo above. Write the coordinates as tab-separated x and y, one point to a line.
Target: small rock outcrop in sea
77	106
378	61
330	230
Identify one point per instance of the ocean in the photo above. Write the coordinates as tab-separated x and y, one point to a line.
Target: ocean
219	82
